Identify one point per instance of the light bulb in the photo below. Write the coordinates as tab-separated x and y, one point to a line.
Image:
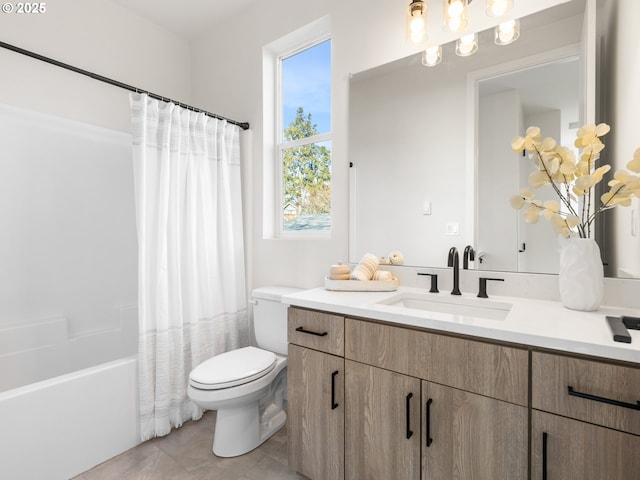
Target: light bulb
506	36
467	45
454	23
507	32
497	8
456	7
455	17
432	56
417	24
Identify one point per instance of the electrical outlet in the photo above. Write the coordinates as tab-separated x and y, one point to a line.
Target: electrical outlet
426	207
453	228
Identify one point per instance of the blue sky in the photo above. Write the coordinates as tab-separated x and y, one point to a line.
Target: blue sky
306	83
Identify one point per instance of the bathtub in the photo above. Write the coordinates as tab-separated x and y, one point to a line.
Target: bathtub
58	427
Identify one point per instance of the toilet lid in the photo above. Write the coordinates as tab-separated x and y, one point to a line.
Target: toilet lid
232	368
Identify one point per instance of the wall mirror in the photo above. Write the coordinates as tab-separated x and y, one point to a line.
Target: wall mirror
430	149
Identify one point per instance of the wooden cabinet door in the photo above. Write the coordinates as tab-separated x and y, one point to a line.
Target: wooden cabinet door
382	424
315	420
567	449
468	436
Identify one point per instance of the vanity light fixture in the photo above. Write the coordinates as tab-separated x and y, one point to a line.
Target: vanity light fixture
507	32
497	8
417	22
467	45
455	15
432	56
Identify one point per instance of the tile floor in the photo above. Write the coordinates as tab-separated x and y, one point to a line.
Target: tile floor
185	454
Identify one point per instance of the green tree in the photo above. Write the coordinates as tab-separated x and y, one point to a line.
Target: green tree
306	169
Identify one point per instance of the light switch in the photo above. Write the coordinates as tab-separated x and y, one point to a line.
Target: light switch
426	207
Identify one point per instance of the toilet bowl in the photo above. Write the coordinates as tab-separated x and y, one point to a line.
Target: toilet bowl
247	386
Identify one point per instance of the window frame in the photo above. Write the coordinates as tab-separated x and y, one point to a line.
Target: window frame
281	145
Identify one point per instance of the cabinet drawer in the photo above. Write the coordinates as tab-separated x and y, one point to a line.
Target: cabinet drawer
487	369
601	393
317	330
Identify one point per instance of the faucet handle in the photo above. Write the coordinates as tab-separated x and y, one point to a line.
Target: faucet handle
482	291
434	281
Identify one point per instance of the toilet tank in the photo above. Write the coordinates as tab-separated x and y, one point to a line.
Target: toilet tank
270	318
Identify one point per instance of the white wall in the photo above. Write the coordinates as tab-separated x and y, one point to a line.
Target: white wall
70	248
407	147
623	96
227	78
98	36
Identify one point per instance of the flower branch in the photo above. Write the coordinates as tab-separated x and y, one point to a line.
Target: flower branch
573	181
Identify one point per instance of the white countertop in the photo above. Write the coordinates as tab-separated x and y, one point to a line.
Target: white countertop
537	323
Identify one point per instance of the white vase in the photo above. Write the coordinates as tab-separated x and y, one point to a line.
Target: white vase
581	278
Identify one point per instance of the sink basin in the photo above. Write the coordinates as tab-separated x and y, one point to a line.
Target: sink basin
468	307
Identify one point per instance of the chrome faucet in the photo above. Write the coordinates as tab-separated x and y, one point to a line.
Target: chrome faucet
454	261
469	254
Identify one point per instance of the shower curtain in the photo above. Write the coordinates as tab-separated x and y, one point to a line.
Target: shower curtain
191	279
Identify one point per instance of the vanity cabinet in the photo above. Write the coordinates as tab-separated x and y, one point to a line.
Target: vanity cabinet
372	400
470	436
382	424
411	391
564	448
585	420
316	403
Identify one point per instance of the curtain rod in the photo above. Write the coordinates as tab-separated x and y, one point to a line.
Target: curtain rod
95	76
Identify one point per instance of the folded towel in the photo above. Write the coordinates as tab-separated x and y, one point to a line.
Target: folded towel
382	275
366	268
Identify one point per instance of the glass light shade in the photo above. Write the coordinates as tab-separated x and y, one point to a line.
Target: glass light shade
497	8
467	45
455	15
507	32
432	56
417	22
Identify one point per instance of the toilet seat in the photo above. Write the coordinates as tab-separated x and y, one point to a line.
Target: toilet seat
232	368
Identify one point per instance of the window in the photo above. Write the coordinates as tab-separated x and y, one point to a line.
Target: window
303	140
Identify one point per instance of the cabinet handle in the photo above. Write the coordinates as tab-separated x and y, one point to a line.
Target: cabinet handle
334	405
310	332
428	433
618	403
409	432
544	455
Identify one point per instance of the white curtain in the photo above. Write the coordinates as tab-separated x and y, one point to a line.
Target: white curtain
191	279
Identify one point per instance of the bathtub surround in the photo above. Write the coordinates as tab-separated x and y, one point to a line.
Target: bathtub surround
191	281
60	427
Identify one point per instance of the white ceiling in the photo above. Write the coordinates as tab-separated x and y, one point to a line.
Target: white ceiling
187	18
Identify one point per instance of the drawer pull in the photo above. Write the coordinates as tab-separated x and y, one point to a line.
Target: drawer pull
334	405
409	432
428	432
310	332
544	455
617	403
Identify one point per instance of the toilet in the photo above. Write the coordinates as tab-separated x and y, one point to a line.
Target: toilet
248	386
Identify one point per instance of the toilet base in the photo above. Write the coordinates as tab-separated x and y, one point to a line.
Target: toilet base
240	430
